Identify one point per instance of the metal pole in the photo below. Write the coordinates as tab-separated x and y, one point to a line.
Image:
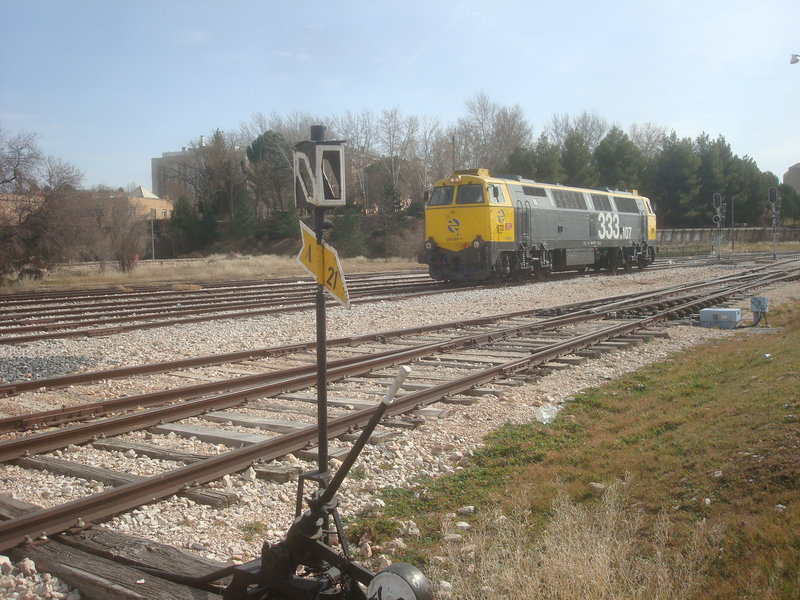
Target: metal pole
152	234
733	228
774	233
322	358
318	135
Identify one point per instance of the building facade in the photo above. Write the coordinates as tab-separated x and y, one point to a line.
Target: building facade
171	173
792	177
148	205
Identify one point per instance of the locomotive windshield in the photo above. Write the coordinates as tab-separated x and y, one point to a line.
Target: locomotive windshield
471	193
441	196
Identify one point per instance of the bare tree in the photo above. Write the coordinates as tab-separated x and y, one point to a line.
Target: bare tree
558	129
427	170
125	233
482	112
19	159
589	125
359	131
59	177
57	228
510	130
648	137
395	137
592	127
489	133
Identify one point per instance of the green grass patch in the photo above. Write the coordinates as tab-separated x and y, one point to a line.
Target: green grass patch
253	530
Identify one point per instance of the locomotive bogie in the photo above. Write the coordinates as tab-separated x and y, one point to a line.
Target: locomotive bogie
480	227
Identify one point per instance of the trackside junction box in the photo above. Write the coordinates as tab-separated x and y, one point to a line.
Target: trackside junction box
725	318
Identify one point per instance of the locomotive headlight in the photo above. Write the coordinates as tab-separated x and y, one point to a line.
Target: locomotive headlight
429	245
476	244
454	179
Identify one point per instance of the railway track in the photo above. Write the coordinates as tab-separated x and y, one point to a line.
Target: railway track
216	368
477	358
28	317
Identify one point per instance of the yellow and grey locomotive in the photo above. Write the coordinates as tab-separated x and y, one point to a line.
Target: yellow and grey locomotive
481	227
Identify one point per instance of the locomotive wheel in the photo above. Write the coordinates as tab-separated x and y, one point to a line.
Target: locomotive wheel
628	263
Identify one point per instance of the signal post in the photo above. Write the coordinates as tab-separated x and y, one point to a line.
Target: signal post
320	182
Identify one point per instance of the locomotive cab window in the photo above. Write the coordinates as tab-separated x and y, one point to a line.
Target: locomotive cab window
496	195
470	193
441	196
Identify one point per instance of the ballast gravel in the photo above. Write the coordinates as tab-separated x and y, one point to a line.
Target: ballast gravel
437	447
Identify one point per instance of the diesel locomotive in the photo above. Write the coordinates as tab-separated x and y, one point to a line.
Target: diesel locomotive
480	227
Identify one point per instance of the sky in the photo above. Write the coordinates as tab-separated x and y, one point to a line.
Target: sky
107	85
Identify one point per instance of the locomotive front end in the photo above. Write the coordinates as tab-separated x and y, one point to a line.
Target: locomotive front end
458	228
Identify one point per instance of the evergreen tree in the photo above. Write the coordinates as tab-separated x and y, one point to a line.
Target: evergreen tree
673	183
618	161
521	161
714	174
347	233
576	162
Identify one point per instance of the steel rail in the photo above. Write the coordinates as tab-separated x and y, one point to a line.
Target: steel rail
116	500
48	296
173	309
58	331
195	319
31	317
15	387
101	408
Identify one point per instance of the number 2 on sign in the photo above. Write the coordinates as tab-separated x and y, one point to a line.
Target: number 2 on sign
333	278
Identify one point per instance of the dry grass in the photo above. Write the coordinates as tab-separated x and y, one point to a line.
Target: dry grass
193	271
601	551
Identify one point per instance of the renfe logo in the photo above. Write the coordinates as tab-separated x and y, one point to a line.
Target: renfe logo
501	216
453	225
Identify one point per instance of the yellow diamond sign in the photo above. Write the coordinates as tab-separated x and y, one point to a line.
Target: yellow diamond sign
322	262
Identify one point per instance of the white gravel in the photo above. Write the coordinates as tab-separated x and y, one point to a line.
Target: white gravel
438	447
